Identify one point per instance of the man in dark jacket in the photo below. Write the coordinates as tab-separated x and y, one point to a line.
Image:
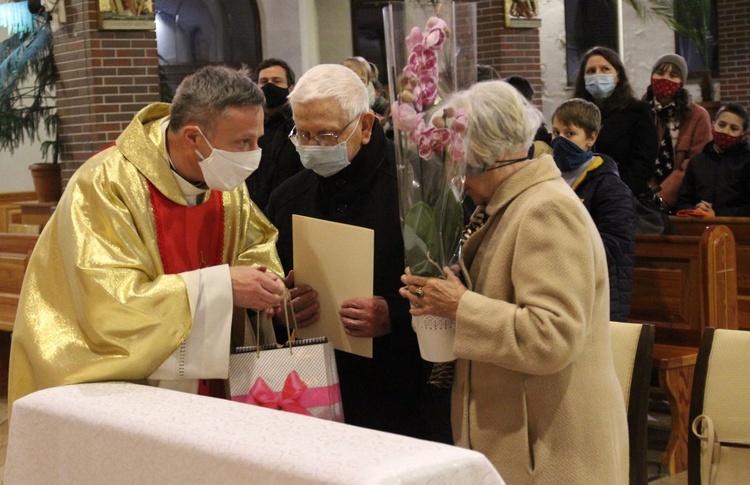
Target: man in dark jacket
352	180
279	159
595	179
717	181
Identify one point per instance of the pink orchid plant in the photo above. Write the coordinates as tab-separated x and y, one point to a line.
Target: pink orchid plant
420	90
433	186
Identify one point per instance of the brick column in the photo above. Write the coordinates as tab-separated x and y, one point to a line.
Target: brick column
513	51
105	78
734	54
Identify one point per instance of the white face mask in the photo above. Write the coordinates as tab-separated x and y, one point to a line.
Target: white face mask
325	161
223	170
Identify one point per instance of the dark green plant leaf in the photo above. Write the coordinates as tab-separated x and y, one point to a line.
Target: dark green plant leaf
421	246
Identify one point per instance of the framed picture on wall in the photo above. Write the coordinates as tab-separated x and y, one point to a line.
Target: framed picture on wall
126	15
523	14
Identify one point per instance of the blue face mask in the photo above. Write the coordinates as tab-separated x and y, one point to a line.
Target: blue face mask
569	156
324	160
600	86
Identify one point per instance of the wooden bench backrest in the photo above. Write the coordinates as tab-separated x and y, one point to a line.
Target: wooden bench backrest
683	284
740	227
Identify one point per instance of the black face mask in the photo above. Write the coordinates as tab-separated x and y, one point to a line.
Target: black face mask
275	96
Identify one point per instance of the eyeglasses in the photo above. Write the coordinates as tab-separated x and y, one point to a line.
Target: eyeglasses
321	139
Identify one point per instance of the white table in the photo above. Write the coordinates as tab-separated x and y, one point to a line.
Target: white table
112	433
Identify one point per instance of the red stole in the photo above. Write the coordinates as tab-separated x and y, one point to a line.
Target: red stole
190	238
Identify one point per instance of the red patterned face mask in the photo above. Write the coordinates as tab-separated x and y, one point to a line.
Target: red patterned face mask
724	141
664	88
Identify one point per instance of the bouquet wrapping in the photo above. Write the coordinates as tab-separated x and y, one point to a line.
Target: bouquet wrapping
431	52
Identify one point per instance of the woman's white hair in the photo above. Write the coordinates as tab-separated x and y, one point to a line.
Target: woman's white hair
326	81
501	121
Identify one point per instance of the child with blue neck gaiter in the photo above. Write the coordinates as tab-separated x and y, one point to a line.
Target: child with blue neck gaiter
596	181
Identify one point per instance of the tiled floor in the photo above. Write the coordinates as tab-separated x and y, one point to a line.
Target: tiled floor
3	434
4	354
679	479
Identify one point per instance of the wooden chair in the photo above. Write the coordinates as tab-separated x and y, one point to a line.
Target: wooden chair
683	284
720	410
632	348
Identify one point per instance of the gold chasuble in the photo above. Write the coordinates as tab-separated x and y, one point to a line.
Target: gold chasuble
96	304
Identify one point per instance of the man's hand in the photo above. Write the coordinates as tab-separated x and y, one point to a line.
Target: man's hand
254	287
366	317
304	304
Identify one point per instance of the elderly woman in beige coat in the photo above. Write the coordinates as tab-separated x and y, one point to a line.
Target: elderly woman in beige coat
535	387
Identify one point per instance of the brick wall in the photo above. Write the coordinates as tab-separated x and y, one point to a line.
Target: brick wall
105	78
513	51
734	50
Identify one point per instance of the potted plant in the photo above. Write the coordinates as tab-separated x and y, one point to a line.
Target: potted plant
27	81
691	18
423	41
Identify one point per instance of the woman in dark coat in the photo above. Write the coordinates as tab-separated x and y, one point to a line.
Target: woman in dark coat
628	133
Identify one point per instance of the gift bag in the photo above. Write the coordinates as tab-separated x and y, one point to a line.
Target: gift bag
300	377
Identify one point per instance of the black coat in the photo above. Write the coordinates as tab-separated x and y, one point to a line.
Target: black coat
279	159
610	203
723	179
389	391
628	135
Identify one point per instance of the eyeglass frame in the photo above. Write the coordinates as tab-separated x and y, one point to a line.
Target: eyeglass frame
294	136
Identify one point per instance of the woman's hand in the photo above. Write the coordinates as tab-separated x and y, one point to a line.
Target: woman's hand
433	296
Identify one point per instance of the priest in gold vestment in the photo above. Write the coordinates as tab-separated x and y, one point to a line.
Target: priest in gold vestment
152	245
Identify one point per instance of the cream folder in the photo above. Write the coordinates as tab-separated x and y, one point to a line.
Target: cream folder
337	261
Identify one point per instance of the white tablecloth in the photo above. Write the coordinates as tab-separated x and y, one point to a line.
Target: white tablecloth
112	433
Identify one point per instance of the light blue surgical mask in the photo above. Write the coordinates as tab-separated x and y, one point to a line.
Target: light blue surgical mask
600	86
324	160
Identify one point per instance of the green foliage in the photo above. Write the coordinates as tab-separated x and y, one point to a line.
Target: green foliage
430	234
691	18
27	82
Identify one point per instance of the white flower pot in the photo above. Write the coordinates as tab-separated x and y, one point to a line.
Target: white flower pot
435	336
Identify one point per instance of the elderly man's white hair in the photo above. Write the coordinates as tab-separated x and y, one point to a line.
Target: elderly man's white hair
326	81
501	121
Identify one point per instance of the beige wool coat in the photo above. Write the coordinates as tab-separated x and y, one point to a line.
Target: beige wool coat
535	387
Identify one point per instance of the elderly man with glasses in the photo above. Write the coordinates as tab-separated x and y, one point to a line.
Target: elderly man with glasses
351	179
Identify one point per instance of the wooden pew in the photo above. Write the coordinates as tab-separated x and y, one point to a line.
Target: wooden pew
683	284
10	208
740	227
15	252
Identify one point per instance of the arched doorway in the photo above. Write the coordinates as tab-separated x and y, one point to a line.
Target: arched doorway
193	33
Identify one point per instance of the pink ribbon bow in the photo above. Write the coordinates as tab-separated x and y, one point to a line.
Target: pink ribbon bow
288	399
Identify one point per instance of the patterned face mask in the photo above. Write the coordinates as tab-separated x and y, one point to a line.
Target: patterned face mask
724	141
664	88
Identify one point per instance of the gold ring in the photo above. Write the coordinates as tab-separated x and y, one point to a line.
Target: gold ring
419	292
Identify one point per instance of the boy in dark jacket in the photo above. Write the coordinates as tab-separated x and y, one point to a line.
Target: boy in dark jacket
717	181
594	178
